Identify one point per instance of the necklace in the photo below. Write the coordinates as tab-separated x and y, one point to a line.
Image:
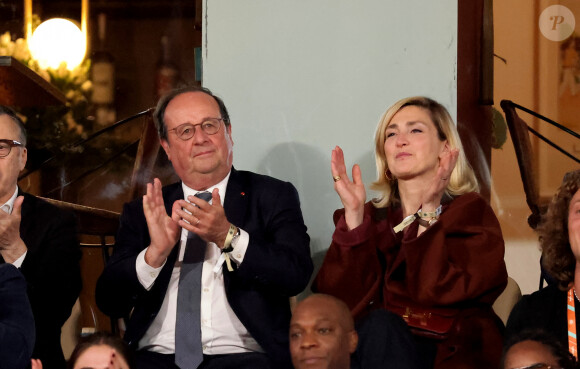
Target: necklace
575	295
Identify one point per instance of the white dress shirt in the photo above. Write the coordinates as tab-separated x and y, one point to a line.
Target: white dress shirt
7	208
221	330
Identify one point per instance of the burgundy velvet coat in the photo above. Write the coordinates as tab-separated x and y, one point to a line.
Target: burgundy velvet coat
457	263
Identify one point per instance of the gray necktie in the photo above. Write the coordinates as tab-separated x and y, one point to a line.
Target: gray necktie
188	351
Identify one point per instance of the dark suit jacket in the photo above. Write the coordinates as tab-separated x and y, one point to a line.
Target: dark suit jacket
16	321
52	273
277	263
544	310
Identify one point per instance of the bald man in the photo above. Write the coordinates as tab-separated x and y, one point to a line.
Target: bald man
322	334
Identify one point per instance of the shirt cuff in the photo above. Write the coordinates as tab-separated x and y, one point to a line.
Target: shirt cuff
18	262
240	246
145	272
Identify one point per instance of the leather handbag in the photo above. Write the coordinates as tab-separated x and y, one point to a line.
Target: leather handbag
434	323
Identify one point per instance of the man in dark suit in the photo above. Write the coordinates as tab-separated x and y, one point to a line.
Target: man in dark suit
42	241
254	247
16	321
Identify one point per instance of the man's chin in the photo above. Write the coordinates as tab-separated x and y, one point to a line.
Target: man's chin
313	363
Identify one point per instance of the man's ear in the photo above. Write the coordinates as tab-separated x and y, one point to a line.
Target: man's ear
23	158
352	341
165	146
229	132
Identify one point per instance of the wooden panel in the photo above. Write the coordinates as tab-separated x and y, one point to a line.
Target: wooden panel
473	112
22	87
97	228
145	158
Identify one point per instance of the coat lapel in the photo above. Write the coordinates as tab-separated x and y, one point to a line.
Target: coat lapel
171	194
235	206
236	202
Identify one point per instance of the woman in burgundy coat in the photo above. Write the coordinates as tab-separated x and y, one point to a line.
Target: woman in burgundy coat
429	248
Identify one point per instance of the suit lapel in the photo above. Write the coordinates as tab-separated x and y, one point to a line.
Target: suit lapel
236	201
24	210
26	219
171	194
235	206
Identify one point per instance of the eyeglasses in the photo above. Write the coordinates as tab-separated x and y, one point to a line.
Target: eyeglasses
210	126
538	366
6	146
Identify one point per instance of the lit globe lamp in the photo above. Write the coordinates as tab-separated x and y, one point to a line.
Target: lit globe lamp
58	40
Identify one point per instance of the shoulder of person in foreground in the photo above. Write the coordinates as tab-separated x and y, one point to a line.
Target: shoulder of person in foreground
17	333
536	310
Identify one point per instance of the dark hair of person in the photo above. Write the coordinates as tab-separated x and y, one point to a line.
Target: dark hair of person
102	338
557	256
159	114
4	110
565	359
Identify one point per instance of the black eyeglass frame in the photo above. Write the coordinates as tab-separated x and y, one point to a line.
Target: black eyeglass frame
11	144
206	120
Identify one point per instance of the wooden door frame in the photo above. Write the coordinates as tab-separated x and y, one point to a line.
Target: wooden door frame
475	86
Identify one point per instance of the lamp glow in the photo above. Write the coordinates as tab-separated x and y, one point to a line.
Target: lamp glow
58	40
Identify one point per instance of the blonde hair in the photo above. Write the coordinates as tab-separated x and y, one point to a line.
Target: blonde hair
462	179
